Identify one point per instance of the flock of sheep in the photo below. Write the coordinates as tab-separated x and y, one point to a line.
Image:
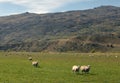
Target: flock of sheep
75	68
34	63
84	68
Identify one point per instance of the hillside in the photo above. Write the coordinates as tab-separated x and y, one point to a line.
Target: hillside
90	30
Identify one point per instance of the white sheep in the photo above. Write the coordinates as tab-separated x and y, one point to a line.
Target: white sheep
116	56
75	68
85	68
35	63
30	58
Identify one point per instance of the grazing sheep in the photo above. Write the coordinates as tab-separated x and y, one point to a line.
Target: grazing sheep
116	56
35	63
85	69
91	55
75	68
30	58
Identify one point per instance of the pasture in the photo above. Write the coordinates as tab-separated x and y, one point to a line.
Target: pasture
56	67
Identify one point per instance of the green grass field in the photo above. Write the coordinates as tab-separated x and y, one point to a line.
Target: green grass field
56	67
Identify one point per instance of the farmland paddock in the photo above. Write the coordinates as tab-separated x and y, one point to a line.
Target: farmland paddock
56	68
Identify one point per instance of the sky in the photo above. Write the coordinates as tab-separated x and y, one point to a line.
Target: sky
10	7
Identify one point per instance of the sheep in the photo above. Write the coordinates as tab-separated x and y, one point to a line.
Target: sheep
30	58
35	63
75	68
116	56
91	55
85	69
